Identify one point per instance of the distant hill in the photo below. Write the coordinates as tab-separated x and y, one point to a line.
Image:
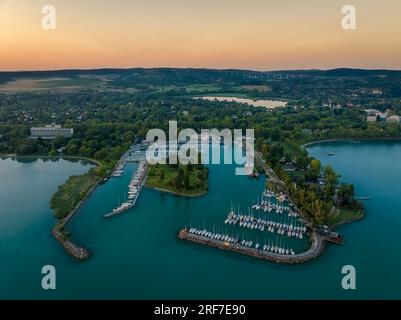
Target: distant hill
344	72
185	72
169	78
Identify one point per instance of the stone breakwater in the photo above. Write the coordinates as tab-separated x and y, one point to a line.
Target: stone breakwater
317	247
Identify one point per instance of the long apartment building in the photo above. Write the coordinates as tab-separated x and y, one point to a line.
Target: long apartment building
50	132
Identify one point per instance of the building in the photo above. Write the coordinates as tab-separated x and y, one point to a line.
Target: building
51	132
289	166
393	119
371	118
376	114
382	115
371	112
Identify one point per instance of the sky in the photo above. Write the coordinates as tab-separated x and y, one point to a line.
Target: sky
243	34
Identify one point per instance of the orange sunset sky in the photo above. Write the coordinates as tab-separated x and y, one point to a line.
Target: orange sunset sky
251	34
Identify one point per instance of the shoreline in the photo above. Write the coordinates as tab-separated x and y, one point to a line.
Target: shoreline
178	194
308	144
77	252
13	155
362	216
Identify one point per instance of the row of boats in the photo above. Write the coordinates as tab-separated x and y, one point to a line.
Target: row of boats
119	170
275	203
134	189
134	154
273	247
137	182
289	229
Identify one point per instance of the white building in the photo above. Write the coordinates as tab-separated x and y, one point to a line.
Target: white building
371	118
393	119
376	113
50	132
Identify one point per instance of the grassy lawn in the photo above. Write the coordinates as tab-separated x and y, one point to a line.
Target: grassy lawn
50	83
163	88
259	88
298	174
344	215
202	88
167	178
69	83
71	193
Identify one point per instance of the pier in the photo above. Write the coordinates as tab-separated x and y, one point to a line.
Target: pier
314	251
76	251
135	187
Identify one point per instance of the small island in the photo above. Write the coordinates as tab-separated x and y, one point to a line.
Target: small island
182	180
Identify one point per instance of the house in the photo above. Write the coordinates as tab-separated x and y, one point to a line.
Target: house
376	114
371	118
289	166
393	119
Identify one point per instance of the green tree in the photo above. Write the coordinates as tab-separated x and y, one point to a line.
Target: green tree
53	153
186	179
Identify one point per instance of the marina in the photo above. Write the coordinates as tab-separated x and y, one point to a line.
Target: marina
134	189
274	214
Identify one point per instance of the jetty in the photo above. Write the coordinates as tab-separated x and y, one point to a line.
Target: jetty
134	189
317	247
76	251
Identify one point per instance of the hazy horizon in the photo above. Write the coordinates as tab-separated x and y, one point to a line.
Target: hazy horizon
195	68
257	35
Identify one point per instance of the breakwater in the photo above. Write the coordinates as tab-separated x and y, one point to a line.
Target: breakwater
76	251
317	247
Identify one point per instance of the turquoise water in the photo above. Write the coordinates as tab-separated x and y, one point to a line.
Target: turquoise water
138	255
26	243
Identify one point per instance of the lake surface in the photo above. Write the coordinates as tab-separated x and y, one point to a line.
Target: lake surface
138	255
268	104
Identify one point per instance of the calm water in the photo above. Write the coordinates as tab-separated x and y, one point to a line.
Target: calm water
138	255
268	104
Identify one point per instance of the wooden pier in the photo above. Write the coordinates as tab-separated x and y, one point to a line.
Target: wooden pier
317	247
